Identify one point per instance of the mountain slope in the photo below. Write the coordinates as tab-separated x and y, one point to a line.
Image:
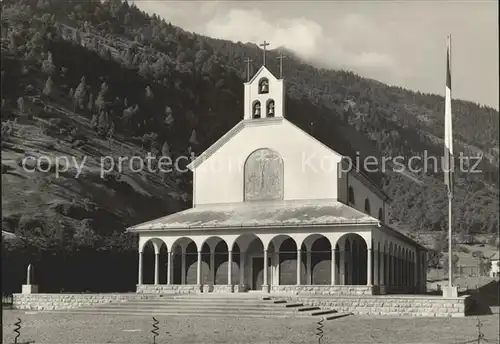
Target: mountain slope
197	81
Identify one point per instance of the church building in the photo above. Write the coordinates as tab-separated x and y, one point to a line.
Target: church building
277	211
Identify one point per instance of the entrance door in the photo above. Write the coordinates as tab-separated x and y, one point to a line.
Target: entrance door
257	273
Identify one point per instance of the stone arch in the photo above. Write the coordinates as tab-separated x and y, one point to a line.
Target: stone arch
187	246
155	242
270	108
256	109
367	206
321	260
263	85
354	259
263	176
150	249
286	248
251	250
351	200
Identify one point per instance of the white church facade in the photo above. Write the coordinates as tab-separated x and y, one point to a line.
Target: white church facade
273	210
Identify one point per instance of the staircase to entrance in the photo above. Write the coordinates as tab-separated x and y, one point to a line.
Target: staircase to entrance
242	305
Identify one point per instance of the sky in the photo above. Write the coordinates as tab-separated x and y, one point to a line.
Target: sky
399	43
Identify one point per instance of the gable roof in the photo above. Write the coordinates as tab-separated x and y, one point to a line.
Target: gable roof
258	72
273	121
229	135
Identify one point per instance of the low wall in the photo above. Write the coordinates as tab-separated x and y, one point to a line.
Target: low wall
168	289
65	301
323	289
388	305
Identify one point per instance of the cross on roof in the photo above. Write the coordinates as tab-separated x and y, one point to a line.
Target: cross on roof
264	45
247	61
281	57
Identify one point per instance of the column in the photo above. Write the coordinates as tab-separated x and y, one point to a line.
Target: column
229	267
275	268
170	257
265	268
212	265
157	267
299	263
183	266
333	268
242	268
139	278
415	271
342	280
308	267
198	269
369	267
375	267
382	268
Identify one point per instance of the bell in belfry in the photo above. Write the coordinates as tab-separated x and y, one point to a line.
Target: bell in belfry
270	111
264	87
256	112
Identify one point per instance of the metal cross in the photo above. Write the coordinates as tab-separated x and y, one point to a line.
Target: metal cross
264	45
281	57
247	61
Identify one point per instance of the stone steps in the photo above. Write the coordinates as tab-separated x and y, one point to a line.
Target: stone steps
212	305
312	310
224	314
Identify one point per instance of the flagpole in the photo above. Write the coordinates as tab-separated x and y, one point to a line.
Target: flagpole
450	196
450	253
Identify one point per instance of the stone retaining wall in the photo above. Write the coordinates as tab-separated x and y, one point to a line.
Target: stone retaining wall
168	289
415	306
66	301
323	289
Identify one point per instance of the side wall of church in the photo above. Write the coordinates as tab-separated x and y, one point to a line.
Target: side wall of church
309	168
363	193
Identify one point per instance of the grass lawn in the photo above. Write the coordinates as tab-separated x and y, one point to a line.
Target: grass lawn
68	329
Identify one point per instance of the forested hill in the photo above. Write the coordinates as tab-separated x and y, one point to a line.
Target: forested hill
139	80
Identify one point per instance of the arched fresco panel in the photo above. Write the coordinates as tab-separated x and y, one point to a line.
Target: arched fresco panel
263	176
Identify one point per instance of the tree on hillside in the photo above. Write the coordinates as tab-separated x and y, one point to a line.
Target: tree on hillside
169	118
90	104
48	66
165	150
80	94
20	104
101	97
48	87
103	123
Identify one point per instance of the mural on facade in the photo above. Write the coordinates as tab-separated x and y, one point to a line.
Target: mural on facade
263	176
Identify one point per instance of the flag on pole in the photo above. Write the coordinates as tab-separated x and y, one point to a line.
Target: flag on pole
448	135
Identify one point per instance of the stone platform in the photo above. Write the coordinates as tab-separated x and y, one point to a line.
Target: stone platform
386	305
371	305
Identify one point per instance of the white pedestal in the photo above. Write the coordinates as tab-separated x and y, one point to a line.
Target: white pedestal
29	289
450	292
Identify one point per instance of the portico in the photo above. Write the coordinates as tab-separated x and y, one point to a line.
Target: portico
342	247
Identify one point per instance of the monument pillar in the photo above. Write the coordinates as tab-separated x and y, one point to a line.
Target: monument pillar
29	288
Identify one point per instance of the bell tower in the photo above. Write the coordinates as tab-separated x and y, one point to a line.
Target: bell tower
264	93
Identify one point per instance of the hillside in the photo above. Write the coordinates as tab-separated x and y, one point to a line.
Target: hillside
104	79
